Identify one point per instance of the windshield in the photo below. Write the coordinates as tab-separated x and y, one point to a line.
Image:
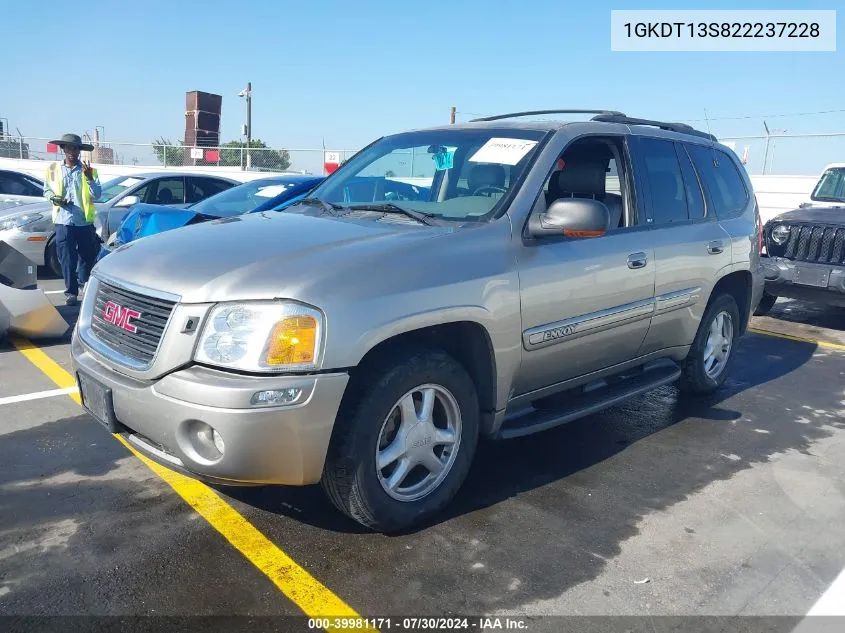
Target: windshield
451	174
831	187
117	186
242	198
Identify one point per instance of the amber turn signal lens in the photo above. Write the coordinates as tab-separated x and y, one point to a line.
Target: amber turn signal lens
577	233
293	340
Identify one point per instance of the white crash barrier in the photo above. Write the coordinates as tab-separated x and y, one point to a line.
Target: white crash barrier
24	308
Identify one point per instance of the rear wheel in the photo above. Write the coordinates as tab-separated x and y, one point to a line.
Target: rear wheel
712	352
766	304
51	258
404	443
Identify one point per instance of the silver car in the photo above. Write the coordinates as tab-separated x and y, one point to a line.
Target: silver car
523	275
29	228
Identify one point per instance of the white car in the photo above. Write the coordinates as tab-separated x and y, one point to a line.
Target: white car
17	188
829	190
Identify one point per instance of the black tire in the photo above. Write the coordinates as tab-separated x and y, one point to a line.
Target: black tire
51	258
766	304
694	378
350	477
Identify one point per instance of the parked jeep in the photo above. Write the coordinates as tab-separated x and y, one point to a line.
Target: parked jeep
544	270
805	247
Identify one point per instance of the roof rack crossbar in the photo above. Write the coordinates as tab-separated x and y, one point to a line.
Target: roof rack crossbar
663	125
517	114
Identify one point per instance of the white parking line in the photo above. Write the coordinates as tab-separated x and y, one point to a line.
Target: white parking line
53	292
38	394
832	603
833	600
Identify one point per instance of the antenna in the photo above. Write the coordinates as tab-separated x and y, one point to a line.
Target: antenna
712	149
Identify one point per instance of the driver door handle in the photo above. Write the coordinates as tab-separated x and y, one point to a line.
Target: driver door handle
637	260
715	247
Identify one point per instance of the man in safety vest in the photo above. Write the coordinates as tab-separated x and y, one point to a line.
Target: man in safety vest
73	187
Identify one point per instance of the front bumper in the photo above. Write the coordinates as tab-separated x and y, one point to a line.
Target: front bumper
30	245
165	420
782	281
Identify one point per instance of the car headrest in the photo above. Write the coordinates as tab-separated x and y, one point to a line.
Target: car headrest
486	176
165	196
587	178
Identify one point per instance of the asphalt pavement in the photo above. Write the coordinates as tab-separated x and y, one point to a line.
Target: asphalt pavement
664	506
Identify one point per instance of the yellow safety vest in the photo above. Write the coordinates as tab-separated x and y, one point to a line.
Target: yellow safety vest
57	184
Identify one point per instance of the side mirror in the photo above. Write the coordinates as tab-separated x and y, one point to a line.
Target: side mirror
572	217
128	201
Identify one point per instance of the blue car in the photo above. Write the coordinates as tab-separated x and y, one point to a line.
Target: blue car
262	194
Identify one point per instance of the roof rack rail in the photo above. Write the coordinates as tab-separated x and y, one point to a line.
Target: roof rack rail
516	114
683	128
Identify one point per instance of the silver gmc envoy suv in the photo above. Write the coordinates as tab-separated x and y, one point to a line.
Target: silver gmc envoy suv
488	279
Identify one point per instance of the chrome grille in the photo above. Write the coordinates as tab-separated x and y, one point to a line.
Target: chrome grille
142	344
821	244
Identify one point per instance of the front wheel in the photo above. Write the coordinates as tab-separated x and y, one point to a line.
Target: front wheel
404	444
712	351
51	258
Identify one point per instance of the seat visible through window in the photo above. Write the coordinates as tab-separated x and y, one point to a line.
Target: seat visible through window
585	179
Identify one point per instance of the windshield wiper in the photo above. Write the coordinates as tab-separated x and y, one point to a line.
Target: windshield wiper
389	207
329	207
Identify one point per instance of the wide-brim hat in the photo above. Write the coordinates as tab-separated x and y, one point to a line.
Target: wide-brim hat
73	140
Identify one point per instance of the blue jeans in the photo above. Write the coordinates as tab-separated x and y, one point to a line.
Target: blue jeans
76	247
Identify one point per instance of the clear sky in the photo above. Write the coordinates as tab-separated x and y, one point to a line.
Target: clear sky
348	72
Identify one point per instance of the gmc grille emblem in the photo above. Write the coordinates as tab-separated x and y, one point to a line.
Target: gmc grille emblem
120	316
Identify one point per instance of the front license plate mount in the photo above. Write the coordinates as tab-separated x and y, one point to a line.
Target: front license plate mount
97	400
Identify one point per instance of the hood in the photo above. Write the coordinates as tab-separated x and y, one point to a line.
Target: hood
7	209
145	220
258	256
820	215
11	207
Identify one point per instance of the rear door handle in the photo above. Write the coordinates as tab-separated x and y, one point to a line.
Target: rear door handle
715	247
637	260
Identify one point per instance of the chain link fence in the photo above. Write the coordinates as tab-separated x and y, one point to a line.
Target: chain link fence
172	156
773	154
788	154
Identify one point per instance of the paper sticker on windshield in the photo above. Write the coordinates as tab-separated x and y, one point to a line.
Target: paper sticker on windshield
504	151
128	182
271	191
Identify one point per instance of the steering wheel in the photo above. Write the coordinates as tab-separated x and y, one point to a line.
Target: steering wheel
490	188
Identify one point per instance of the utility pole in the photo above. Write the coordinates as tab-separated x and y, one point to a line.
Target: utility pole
452	115
766	154
248	94
769	135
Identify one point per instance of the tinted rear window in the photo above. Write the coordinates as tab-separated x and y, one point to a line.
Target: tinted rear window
723	182
668	197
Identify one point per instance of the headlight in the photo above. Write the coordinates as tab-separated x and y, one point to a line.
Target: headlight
780	234
19	220
262	336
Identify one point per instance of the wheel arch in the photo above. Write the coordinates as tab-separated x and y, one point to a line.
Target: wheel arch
739	284
467	340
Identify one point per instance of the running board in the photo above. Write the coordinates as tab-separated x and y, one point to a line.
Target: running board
530	420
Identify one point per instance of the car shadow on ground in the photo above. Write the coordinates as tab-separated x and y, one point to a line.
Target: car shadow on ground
576	493
804	319
766	379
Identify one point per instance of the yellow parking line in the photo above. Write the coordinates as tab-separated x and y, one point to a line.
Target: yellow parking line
308	593
798	338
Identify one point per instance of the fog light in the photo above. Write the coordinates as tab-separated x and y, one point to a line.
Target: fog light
218	441
276	396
